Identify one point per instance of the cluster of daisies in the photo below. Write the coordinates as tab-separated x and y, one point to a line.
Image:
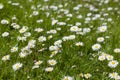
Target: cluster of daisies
38	38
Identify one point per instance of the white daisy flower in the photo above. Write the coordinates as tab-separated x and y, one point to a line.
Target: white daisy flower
17	66
101	58
117	50
113	75
113	64
52	32
1	6
88	75
5	58
16	26
86	30
58	42
67	78
49	69
42	39
54	22
71	37
65	38
100	39
24	29
4	21
79	16
78	24
27	34
61	23
52	62
38	62
39	21
35	13
79	44
22	54
35	66
96	47
21	38
58	29
109	57
102	29
74	29
31	44
14	49
38	30
53	48
5	34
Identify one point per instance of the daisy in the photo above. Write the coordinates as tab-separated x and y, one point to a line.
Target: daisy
52	62
16	26
38	62
79	44
53	48
52	32
101	58
65	38
54	22
22	54
1	6
96	47
100	39
109	57
27	34
113	75
117	50
88	75
79	16
14	49
38	30
42	39
49	69
113	64
4	21
67	78
5	34
24	29
58	29
78	24
86	30
35	66
71	37
21	38
35	13
5	58
17	66
58	42
74	29
39	21
102	29
61	23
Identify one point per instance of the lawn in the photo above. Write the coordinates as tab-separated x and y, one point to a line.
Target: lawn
59	39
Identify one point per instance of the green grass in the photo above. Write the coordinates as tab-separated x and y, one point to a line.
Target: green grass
79	56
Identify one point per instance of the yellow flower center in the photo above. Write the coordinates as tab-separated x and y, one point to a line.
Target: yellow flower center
113	62
96	46
66	79
17	66
51	62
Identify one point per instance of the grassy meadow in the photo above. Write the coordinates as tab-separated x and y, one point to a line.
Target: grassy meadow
59	39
